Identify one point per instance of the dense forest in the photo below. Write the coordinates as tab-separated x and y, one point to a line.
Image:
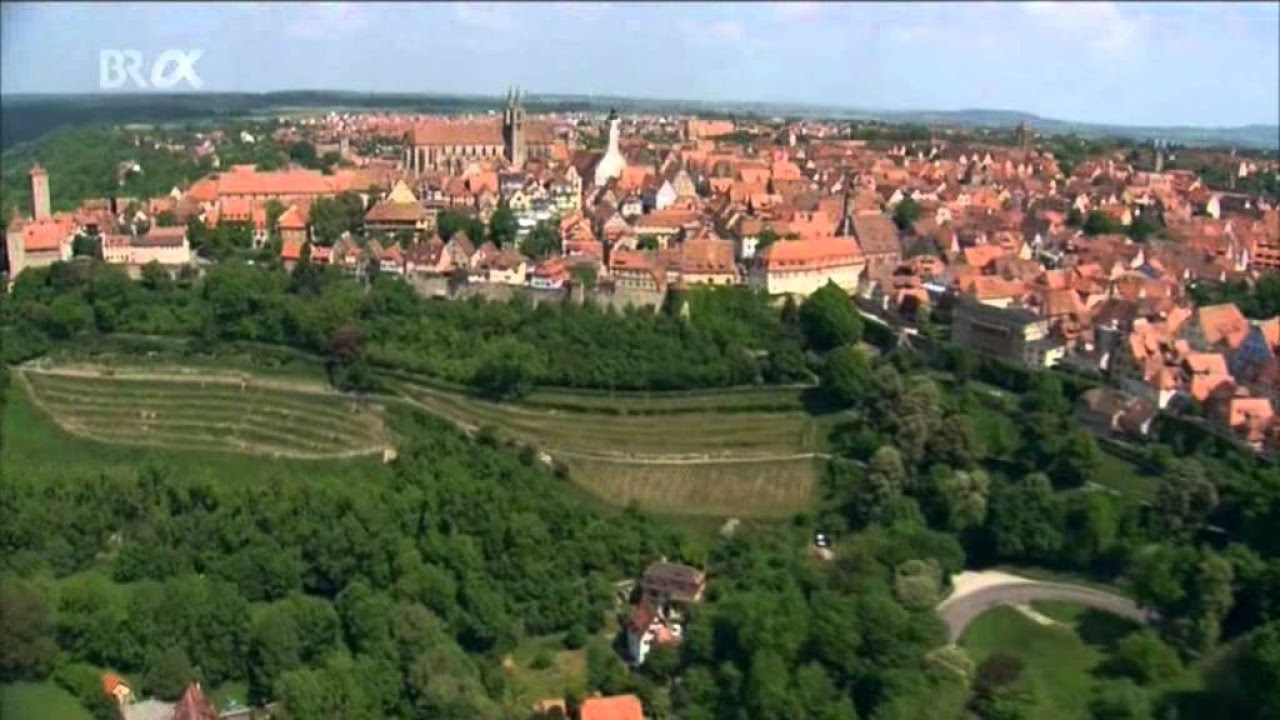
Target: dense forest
395	589
90	162
731	336
399	590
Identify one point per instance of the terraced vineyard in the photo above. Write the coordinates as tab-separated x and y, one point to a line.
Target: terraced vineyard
701	434
208	412
685	456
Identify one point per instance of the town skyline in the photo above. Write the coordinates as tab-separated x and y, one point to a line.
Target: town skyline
922	57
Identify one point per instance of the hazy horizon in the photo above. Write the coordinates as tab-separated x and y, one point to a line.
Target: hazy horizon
1195	65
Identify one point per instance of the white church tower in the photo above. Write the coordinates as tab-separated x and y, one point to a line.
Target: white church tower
611	165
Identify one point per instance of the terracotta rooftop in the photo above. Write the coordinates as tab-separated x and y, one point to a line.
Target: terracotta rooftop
812	253
616	707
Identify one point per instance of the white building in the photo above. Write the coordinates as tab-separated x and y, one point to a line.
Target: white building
800	267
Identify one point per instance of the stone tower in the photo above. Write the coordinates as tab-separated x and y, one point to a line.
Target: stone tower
845	227
513	130
39	192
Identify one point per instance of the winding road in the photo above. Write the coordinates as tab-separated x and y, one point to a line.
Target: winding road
977	592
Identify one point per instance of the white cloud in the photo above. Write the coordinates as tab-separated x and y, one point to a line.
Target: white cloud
797	10
1100	26
907	34
713	32
581	10
727	30
320	20
490	16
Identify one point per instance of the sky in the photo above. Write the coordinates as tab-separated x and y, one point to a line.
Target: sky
1204	64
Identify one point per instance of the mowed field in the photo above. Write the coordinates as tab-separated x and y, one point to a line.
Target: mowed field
704	433
752	488
683	455
39	701
208	412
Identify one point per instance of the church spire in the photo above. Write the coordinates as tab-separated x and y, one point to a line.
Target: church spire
845	228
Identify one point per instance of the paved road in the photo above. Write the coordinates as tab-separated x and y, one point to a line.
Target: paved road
959	610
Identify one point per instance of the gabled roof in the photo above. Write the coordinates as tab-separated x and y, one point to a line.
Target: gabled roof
616	707
876	234
811	252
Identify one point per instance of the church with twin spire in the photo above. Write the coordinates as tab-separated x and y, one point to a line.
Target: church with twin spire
450	145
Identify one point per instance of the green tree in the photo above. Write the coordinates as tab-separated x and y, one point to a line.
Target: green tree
274	210
829	319
846	375
1144	657
1100	223
1079	460
502	226
1091	527
1259	671
1184	499
69	316
168	673
765	238
880	486
541	243
917	584
905	214
330	217
960	497
304	153
584	274
508	372
84	246
27	646
1143	227
1119	700
450	222
1024	520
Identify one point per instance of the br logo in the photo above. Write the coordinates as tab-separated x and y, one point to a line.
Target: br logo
116	67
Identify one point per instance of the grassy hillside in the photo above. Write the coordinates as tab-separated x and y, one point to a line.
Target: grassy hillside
207	412
39	701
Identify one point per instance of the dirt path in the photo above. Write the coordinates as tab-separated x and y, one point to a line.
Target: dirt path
231	378
976	592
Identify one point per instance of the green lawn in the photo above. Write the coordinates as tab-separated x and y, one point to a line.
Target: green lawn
1063	663
526	684
1125	477
772	488
39	701
1059	661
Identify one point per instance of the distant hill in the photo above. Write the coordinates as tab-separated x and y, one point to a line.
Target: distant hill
26	117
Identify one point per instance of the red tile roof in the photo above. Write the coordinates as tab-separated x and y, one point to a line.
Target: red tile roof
616	707
194	705
473	132
812	253
45	235
241	181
